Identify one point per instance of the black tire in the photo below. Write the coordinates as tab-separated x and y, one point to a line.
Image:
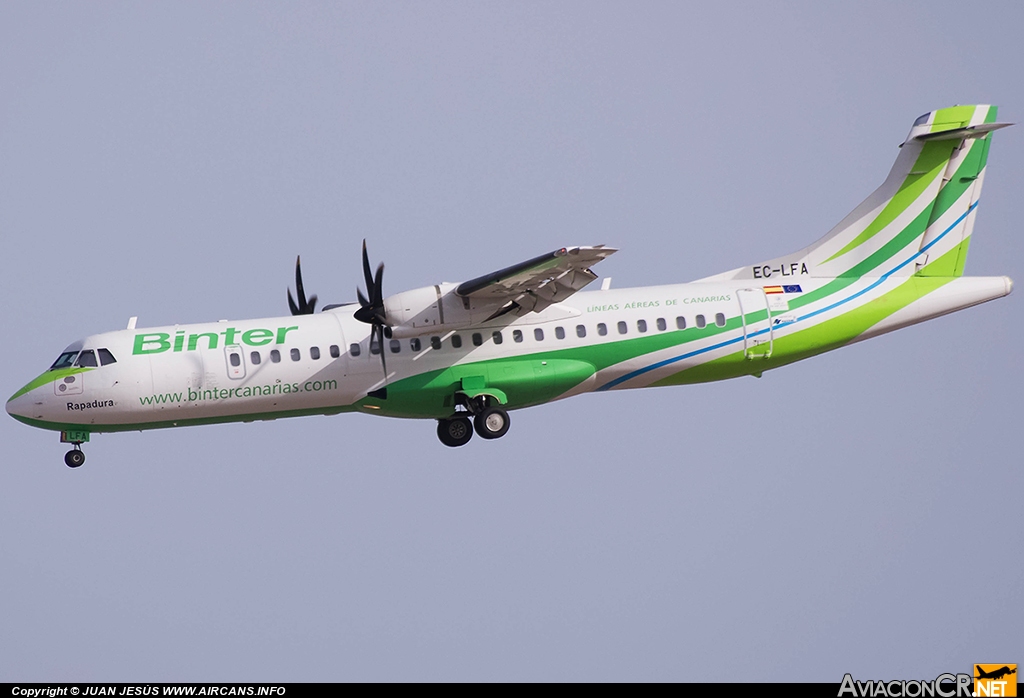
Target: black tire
74	458
454	432
492	423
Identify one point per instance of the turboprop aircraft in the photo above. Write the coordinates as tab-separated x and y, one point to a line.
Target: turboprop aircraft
466	354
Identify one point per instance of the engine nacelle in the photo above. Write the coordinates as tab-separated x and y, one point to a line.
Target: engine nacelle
433	310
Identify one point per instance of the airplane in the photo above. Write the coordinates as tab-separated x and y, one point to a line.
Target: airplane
995	674
467	354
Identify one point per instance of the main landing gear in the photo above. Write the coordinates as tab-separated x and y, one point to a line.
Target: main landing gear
75	457
456	431
489	421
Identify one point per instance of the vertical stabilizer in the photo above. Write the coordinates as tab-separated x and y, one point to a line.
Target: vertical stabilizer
918	221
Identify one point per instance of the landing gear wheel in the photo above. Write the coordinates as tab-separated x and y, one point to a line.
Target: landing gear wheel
74	458
492	423
454	432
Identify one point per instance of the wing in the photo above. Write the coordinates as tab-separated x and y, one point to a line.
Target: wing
536	283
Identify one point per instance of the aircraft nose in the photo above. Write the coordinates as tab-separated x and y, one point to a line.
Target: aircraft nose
16	406
20	406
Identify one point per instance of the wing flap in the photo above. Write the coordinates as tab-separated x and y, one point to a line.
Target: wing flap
537	283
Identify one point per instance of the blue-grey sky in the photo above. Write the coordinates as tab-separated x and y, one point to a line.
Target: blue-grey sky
851	513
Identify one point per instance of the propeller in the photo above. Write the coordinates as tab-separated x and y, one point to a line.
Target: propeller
371	307
303	307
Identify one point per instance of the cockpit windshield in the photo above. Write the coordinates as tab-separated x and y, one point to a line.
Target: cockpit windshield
84	359
87	359
65	360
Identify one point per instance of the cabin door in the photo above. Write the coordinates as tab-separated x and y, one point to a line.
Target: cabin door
758	334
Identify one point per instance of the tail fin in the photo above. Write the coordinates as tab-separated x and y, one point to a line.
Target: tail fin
920	219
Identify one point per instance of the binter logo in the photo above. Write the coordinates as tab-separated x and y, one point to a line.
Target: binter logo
995	680
159	342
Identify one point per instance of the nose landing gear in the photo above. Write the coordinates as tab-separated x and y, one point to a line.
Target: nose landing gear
74	458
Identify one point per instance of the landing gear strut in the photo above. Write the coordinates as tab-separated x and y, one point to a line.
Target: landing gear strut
75	457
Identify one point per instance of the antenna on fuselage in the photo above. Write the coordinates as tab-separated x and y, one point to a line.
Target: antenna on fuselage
131	322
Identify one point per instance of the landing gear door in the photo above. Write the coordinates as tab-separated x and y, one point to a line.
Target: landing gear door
758	334
235	358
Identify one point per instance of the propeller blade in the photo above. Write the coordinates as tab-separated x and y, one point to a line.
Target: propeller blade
371	309
367	276
378	287
304	306
383	361
299	291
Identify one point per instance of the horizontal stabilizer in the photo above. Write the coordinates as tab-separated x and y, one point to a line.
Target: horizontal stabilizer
961	133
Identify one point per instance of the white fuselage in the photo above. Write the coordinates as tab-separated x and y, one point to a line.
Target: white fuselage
322	363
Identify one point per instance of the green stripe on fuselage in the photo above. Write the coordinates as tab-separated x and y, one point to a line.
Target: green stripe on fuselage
49	377
825	336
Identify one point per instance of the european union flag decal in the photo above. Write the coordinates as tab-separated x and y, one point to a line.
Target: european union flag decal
792	289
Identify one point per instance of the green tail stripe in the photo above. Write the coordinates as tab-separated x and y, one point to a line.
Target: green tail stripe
928	167
964	177
952	117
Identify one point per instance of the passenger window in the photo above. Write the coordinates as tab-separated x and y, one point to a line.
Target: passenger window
602	329
86	359
275	356
295	355
680	323
374	346
641	325
335	351
106	357
538	334
65	360
559	333
622	327
720	319
414	344
456	341
581	330
517	335
255	358
700	321
235	359
496	336
662	325
478	339
354	349
314	353
435	342
395	346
